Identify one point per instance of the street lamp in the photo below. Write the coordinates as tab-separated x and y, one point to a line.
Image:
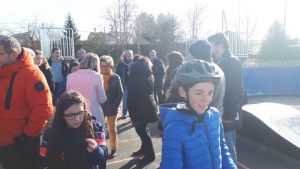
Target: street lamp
239	16
284	25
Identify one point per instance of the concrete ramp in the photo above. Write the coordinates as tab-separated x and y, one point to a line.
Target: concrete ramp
274	125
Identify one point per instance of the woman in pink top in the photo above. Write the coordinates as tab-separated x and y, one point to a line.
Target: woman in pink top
89	83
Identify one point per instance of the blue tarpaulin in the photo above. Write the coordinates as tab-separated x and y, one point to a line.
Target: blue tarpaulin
272	80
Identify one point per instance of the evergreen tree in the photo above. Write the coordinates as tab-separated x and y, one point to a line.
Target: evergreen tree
69	23
145	26
273	44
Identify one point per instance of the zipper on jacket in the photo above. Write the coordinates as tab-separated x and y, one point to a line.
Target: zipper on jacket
209	145
9	91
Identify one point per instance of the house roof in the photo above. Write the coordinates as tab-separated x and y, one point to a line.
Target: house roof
111	37
140	40
21	35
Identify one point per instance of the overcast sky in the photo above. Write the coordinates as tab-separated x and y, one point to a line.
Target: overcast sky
87	13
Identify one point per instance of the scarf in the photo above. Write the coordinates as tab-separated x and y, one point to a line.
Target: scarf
106	78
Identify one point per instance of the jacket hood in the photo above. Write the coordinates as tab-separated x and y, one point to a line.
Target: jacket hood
25	60
169	113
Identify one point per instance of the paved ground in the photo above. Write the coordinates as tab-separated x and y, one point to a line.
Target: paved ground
250	154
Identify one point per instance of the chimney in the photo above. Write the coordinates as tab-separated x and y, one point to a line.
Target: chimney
95	30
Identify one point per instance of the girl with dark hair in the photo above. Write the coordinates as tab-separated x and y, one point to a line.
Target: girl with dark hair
141	104
43	65
72	141
175	59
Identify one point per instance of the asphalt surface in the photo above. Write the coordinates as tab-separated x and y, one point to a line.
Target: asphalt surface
250	154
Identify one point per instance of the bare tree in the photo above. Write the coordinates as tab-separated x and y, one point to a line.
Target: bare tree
196	17
248	23
121	15
26	31
1	30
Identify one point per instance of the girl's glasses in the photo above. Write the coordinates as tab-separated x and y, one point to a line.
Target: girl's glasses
72	116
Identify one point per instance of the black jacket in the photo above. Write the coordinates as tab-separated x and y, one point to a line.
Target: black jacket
65	66
233	70
49	77
159	71
140	100
114	96
122	66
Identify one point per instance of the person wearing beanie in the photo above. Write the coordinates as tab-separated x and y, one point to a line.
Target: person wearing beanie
201	50
74	66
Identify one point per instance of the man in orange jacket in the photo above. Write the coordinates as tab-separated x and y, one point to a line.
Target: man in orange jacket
25	106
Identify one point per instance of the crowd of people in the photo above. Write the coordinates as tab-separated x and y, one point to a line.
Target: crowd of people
56	113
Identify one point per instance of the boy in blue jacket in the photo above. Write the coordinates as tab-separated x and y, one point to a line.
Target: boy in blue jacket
193	132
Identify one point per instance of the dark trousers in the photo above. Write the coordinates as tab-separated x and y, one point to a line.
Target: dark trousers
158	92
21	155
54	98
143	131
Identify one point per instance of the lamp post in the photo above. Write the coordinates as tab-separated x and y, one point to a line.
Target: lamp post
284	25
239	16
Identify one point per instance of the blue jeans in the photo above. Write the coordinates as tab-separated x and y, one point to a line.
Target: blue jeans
125	109
54	97
230	138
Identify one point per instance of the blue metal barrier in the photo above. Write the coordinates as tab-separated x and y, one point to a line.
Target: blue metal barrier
272	80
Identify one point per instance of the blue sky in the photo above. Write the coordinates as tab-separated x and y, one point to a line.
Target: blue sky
88	14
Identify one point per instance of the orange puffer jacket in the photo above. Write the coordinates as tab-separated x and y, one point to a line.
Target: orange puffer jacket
25	100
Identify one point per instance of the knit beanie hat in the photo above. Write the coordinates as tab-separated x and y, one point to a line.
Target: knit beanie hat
201	50
73	63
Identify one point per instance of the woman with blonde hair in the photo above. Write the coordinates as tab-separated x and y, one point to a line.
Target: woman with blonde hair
114	93
89	83
41	61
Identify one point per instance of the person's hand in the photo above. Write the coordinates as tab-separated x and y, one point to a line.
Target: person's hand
160	133
22	138
226	121
92	144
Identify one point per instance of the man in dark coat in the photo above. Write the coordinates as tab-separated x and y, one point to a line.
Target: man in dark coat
122	71
159	72
232	103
